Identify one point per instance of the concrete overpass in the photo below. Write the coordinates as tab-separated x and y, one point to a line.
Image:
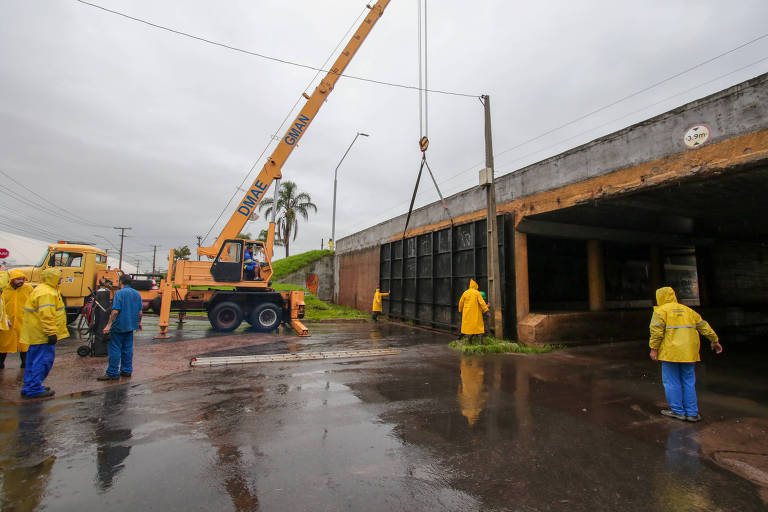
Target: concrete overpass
588	235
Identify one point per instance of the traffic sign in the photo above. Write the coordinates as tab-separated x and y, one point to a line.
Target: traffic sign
4	254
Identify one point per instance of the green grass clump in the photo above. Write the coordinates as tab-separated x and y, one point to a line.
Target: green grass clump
493	345
291	264
317	309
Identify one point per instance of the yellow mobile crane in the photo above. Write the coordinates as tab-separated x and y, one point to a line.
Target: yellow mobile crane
220	286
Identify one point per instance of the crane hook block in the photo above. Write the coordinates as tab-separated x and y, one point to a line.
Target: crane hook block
424	144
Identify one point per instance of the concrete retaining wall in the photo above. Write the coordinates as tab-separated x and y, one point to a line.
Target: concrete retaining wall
323	268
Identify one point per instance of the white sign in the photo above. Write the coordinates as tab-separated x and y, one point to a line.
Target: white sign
696	135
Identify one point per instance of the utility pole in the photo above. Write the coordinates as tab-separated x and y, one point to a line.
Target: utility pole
138	262
199	243
154	255
122	237
486	178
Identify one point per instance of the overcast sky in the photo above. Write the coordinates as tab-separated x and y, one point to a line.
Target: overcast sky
115	123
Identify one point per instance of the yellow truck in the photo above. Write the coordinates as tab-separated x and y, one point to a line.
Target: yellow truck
82	266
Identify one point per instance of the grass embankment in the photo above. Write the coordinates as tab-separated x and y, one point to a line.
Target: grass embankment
291	264
493	345
317	309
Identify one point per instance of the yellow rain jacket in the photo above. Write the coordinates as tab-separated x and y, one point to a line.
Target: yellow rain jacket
472	306
14	299
44	312
4	324
675	329
377	295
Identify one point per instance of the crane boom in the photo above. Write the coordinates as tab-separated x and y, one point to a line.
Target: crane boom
272	170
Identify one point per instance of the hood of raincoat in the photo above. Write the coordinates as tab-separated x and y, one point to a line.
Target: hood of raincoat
473	284
16	273
51	276
4	280
665	295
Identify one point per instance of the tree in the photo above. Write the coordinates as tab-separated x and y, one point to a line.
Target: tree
263	238
290	205
245	236
182	253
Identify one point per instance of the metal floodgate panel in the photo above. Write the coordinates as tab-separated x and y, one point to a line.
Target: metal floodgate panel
274	358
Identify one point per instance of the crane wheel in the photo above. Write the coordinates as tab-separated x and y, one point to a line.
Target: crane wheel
226	316
266	317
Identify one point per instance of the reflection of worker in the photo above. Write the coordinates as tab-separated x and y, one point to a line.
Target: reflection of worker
675	342
376	309
125	318
472	306
45	323
14	297
472	394
249	265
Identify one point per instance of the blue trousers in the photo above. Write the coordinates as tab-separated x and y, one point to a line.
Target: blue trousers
120	353
39	363
680	387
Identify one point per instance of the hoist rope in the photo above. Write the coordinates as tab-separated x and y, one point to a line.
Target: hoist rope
424	114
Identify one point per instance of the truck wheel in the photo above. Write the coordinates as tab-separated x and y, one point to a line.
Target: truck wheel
266	317
226	316
156	303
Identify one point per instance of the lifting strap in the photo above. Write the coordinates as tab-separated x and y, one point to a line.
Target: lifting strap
424	144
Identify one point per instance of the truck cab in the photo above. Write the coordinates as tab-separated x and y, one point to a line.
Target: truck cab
81	268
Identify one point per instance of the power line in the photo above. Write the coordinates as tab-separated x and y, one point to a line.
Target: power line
267	57
73	215
279	128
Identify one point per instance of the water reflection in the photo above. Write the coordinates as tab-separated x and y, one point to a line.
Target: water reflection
680	485
112	437
472	394
26	465
221	420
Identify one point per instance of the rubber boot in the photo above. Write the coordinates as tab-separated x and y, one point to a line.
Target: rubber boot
23	357
2	360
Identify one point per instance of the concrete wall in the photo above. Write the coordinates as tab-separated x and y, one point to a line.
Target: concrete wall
324	270
735	111
357	278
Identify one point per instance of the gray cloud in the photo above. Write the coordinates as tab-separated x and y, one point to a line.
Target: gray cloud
127	125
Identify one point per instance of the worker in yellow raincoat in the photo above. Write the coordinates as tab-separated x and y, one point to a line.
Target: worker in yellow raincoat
472	306
674	341
5	324
377	306
14	297
45	323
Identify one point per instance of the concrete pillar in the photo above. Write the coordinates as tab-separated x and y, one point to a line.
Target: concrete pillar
655	271
596	275
522	297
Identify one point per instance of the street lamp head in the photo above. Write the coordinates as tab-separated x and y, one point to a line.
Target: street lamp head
363	134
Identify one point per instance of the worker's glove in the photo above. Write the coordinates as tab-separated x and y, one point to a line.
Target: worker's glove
52	339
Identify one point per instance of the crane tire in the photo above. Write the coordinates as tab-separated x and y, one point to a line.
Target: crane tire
266	317
226	316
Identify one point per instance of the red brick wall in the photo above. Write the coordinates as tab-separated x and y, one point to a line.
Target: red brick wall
358	278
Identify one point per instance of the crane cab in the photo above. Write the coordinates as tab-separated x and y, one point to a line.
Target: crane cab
244	262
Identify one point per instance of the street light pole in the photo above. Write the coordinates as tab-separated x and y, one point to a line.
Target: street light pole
335	180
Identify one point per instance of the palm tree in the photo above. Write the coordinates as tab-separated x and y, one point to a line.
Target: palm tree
290	204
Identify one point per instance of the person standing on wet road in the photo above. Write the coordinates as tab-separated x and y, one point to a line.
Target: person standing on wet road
45	324
675	341
125	318
472	306
13	298
377	306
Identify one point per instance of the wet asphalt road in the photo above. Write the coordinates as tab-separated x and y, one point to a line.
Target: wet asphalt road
424	430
